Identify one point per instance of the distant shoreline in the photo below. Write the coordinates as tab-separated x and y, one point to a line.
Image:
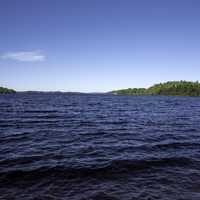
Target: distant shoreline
4	90
170	88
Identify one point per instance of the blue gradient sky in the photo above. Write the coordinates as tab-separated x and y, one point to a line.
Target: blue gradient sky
98	45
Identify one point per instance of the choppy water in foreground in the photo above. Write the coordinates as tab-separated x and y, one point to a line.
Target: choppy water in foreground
99	147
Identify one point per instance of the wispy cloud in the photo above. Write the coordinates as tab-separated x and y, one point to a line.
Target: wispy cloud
25	56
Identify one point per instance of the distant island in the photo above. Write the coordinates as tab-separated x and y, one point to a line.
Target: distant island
4	90
170	88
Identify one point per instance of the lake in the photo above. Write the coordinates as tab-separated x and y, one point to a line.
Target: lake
99	147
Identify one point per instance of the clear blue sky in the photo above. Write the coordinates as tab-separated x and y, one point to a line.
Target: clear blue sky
97	45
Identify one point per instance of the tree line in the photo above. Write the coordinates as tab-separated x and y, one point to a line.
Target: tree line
4	90
171	88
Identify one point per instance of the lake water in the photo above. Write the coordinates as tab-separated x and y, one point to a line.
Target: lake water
99	147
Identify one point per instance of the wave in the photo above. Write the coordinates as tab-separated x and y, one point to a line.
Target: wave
111	169
40	111
100	196
177	145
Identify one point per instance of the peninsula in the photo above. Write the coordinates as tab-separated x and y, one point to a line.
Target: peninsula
4	90
170	88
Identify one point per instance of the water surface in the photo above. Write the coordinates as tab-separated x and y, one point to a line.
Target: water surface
99	147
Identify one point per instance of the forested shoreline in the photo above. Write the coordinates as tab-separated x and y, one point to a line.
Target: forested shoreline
4	90
171	88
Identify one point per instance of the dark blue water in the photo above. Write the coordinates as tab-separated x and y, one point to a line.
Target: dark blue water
99	147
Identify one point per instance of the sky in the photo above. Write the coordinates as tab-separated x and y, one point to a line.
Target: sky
97	45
